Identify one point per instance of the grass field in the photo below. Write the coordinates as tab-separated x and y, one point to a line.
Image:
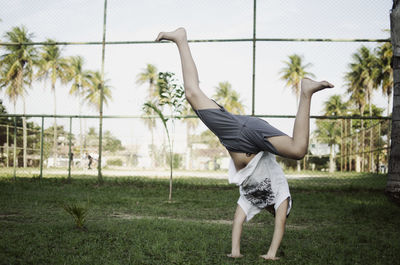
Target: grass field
338	219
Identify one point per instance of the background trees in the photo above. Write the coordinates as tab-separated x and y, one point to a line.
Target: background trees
17	70
369	69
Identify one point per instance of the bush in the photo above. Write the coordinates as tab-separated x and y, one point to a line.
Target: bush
114	162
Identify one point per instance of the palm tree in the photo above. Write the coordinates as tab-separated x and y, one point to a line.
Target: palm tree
328	132
17	70
293	72
80	79
334	106
54	67
358	98
385	75
150	75
362	76
92	94
367	62
385	72
229	98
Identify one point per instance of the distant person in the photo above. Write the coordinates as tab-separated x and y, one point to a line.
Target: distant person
71	158
90	161
251	143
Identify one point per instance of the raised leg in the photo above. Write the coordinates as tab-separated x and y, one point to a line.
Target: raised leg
237	226
296	147
194	95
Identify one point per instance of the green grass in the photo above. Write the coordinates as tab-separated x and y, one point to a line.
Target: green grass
343	219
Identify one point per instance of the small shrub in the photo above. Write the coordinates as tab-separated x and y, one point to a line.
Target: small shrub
78	212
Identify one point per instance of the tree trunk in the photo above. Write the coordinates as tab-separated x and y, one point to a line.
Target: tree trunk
393	181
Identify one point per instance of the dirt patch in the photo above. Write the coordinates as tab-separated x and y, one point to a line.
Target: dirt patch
137	217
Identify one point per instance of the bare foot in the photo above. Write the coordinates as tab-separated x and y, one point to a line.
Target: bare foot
267	257
177	35
235	256
309	86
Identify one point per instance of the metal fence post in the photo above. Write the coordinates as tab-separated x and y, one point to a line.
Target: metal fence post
8	145
341	146
41	148
351	145
100	177
254	59
15	149
70	155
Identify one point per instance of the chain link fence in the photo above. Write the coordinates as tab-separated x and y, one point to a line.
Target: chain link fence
336	145
249	55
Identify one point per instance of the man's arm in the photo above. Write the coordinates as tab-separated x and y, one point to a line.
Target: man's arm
279	230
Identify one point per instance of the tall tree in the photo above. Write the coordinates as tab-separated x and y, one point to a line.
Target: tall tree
393	183
229	98
360	82
149	76
384	71
54	67
92	94
367	63
17	70
80	81
331	130
293	72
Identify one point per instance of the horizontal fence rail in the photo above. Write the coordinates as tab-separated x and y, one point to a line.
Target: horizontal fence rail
352	149
198	41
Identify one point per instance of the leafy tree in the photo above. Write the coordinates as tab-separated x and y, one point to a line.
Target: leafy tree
62	139
110	142
170	95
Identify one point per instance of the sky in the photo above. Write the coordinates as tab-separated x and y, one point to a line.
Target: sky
127	20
